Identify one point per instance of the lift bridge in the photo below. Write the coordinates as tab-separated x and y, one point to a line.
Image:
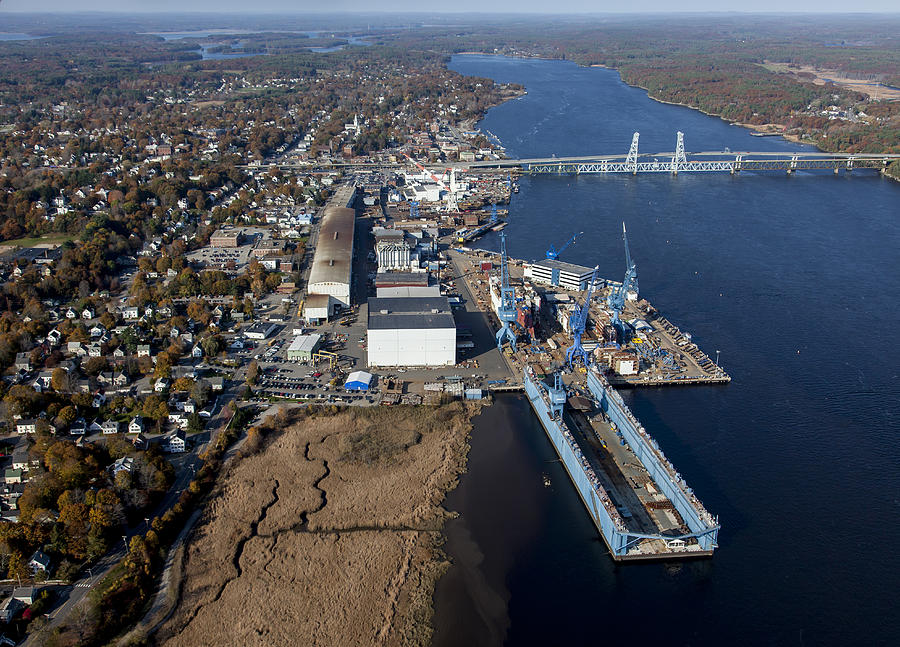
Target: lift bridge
711	162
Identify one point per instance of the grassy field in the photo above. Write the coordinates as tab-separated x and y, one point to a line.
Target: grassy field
329	530
49	239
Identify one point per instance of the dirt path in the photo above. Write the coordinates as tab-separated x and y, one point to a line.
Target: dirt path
329	536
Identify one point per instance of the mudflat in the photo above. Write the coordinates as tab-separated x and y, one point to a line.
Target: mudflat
328	534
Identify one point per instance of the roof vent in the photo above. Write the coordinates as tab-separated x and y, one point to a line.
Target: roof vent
434	311
331	263
384	312
336	235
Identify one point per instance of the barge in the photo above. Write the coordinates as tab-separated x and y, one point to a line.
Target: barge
641	506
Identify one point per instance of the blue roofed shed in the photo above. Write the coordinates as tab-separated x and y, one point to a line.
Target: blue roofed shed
358	381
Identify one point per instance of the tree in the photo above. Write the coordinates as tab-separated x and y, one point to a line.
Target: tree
59	380
252	372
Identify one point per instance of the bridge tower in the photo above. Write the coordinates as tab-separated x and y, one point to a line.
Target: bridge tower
679	159
631	160
506	311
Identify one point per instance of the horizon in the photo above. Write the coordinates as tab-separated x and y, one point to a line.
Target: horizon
464	7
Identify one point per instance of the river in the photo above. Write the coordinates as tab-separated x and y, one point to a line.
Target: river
795	280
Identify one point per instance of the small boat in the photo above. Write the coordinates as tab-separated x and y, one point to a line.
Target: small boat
546	481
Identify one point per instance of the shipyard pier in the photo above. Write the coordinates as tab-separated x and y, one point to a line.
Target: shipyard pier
642	508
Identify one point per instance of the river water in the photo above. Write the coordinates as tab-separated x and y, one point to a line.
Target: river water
795	280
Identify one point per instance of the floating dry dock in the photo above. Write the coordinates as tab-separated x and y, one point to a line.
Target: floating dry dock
637	500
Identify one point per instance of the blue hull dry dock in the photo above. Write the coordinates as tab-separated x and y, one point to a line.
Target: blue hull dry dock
642	507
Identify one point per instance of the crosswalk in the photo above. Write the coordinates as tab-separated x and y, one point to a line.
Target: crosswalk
86	584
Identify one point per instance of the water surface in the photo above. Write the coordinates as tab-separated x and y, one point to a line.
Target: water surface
797	281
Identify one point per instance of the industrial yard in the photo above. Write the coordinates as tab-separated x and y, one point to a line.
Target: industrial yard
397	310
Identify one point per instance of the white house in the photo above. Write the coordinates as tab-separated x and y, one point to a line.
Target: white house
136	425
174	443
26	426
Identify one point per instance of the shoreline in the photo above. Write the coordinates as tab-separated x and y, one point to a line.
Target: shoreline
754	127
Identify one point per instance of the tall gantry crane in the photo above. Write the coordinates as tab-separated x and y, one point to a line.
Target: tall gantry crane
578	323
615	301
631	281
506	311
553	253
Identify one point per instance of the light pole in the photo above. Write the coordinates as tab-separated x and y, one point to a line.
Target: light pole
717	358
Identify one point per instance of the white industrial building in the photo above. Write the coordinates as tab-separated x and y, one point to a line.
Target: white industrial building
333	262
318	308
411	331
565	275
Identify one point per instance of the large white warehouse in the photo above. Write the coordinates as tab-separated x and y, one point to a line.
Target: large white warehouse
333	261
411	331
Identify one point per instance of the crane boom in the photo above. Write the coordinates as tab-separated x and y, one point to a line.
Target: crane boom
553	253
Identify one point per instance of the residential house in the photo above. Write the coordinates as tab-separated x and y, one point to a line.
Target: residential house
123	464
10	608
110	427
130	313
143	350
140	442
24	594
23	361
136	425
40	562
162	385
26	426
87	313
79	427
197	352
174	442
12	476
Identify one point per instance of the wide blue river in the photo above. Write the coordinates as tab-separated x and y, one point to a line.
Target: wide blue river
796	280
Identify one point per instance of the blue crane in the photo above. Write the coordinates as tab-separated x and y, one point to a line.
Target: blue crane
631	281
553	253
414	210
578	323
506	311
494	213
616	298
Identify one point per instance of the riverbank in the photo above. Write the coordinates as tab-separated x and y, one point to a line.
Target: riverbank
892	172
345	506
